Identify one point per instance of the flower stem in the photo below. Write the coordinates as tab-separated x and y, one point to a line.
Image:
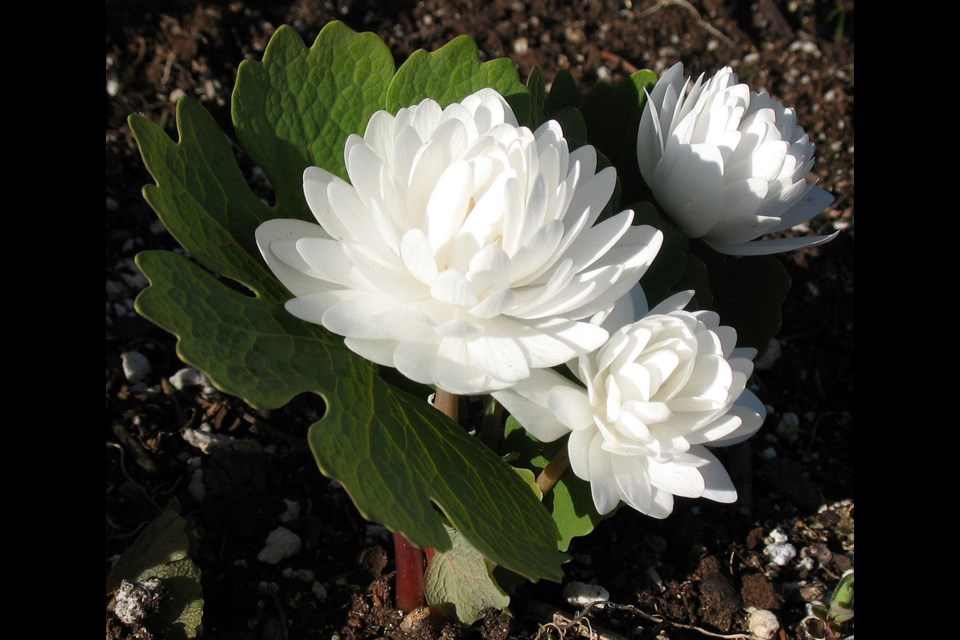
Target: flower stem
552	472
448	403
409	574
410	566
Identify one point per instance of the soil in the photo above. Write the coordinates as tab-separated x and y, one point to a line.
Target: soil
697	571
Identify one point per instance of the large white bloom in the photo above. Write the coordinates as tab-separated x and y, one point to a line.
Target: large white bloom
657	392
727	163
463	251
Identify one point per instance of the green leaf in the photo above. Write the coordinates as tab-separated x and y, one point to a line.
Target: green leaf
695	277
564	92
612	114
570	502
748	293
841	604
160	551
453	72
163	540
538	98
297	107
531	479
397	457
661	279
574	128
459	582
181	609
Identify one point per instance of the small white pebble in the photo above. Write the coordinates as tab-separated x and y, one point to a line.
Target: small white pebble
292	512
806	562
196	487
768	454
136	601
176	94
188	377
521	45
789	427
373	531
281	544
157	227
112	204
751	58
804	46
762	624
778	551
240	562
114	289
319	591
136	367
113	87
777	535
580	594
300	574
135	281
268	588
712	45
770	356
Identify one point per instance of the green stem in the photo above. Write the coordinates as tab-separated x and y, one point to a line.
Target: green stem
552	472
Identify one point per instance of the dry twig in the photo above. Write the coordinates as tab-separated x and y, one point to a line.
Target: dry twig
679	625
696	14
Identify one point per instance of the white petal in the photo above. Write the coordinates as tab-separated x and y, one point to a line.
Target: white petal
292	276
555	341
539	421
360	316
312	306
500	358
766	247
417	256
378	351
813	202
570	405
689	185
325	259
751	413
678	479
453	288
603	482
634	482
717	483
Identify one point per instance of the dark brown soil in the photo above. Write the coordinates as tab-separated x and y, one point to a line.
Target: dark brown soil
699	568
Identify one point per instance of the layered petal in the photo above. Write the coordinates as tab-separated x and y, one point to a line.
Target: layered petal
464	250
655	395
728	164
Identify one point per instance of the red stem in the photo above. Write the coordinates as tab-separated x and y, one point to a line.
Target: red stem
409	574
410	566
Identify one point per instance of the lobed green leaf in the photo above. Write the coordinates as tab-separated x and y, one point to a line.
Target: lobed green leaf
453	72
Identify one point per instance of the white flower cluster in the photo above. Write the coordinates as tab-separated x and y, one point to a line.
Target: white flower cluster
465	252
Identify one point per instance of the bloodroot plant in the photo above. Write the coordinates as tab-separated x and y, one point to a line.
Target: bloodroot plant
448	227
